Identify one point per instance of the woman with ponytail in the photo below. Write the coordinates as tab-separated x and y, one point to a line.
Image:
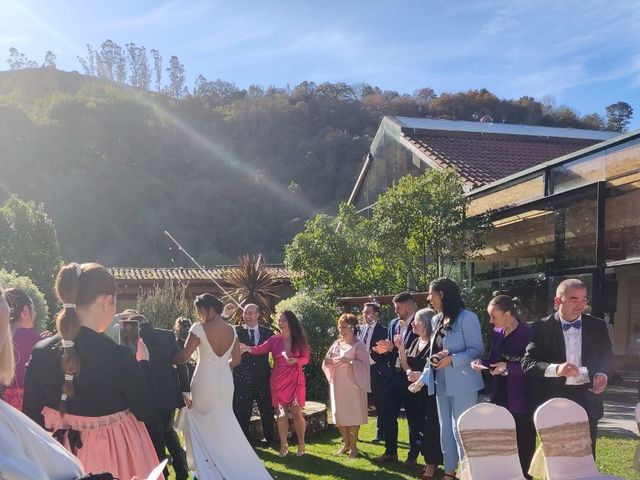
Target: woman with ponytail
22	317
89	391
509	385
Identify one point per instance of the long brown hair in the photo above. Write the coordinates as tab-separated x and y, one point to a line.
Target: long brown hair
298	336
77	286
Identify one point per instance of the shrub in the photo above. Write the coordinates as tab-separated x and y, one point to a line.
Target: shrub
318	321
163	304
13	280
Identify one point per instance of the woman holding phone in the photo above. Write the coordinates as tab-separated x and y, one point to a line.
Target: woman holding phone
290	351
455	343
87	390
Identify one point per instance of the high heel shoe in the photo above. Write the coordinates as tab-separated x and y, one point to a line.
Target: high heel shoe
284	451
300	452
354	453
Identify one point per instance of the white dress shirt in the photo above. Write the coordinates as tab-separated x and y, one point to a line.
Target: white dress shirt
256	333
367	333
572	345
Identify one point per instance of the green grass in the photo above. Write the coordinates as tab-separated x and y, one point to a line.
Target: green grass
614	457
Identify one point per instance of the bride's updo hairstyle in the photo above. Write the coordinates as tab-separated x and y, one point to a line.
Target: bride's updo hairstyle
207	301
77	286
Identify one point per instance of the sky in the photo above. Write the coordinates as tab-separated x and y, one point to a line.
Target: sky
584	53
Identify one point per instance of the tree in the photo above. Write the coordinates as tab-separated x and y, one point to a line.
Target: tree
163	304
157	69
253	283
619	116
337	256
29	245
177	77
421	225
140	71
13	280
593	121
18	61
49	60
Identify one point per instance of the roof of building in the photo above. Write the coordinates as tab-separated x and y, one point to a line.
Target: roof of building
481	159
499	128
184	274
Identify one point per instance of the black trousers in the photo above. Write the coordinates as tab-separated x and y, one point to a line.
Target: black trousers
379	396
431	448
172	443
243	398
526	439
397	393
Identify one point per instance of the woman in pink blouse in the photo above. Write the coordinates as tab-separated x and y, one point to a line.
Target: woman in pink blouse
290	351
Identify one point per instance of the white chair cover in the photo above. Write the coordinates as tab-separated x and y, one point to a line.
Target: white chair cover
563	429
488	437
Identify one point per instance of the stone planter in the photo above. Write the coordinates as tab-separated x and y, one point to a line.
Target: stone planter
315	414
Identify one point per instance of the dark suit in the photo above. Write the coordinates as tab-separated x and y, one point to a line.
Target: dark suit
397	386
379	372
251	381
547	346
168	383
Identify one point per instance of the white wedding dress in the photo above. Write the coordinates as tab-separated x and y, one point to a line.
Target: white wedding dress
216	446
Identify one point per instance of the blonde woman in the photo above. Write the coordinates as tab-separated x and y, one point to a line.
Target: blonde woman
347	368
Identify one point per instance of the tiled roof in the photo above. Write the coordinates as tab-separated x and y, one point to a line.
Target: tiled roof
185	274
481	158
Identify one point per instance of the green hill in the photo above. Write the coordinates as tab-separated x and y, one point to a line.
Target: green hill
116	166
227	171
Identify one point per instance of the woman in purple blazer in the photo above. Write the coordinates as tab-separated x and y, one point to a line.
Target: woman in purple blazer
508	383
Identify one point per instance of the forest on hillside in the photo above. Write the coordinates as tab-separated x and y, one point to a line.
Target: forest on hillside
125	150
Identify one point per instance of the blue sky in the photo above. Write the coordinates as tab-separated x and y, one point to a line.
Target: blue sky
585	53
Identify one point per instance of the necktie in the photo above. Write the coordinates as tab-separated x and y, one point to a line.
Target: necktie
363	335
252	336
575	324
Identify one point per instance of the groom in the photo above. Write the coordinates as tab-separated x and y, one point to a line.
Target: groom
251	377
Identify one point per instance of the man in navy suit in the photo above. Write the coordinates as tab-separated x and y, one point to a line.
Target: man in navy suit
397	383
564	342
370	334
251	377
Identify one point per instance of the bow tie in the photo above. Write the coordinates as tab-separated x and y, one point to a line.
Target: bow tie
575	324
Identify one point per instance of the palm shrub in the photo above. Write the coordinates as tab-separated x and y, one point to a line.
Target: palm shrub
319	322
163	304
252	282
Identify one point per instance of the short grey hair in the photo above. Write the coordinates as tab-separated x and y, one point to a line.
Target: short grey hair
248	305
565	285
425	316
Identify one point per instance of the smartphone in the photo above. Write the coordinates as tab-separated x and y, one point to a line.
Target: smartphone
129	332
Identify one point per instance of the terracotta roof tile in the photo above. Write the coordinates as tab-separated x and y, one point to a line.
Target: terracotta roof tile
482	158
184	274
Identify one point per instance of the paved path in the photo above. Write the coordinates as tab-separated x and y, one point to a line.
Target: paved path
619	411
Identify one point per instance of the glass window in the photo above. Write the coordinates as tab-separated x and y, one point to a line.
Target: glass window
622	225
582	171
510	195
623	159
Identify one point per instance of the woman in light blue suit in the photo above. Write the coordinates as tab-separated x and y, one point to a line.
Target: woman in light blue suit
456	342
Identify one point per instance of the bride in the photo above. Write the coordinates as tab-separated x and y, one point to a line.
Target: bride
216	446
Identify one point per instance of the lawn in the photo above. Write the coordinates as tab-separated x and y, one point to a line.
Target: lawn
615	455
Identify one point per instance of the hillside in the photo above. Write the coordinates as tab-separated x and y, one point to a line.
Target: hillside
227	171
116	166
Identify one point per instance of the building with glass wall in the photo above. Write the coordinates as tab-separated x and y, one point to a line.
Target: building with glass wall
574	213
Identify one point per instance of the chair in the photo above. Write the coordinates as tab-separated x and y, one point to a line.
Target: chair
636	460
563	429
488	437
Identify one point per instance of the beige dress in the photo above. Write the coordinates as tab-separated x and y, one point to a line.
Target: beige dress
349	383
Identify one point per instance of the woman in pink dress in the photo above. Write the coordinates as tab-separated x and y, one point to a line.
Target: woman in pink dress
22	317
347	367
290	351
